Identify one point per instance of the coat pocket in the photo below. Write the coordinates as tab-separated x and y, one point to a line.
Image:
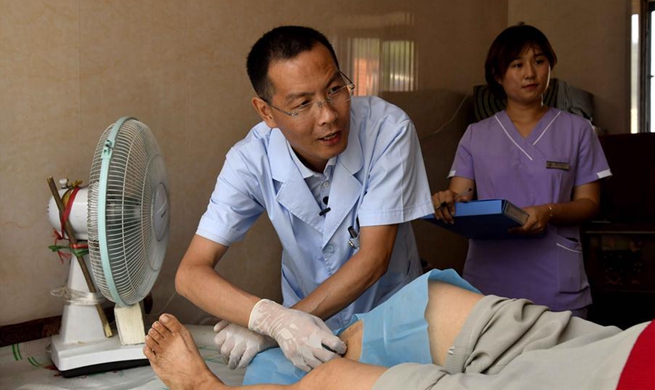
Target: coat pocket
571	273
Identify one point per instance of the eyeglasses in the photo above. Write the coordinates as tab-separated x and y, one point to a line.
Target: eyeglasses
336	96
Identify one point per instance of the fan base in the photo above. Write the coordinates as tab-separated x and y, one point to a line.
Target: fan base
105	367
91	357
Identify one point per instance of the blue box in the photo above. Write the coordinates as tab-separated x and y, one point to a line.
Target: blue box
488	219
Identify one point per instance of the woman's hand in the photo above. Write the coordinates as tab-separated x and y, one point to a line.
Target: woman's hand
537	221
444	203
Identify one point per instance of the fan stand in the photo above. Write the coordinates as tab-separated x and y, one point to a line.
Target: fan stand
81	347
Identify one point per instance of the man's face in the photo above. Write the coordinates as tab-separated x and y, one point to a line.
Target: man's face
321	131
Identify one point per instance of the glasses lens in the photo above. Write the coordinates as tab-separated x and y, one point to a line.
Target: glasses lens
335	99
340	96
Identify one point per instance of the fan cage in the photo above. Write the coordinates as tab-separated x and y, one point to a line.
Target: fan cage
134	178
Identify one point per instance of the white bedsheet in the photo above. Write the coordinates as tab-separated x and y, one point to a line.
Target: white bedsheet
28	366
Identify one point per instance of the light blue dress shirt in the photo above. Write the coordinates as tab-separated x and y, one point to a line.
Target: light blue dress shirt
379	179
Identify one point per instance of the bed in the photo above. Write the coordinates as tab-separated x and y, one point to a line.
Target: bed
28	366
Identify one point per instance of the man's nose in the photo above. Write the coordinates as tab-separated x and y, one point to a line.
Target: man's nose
326	112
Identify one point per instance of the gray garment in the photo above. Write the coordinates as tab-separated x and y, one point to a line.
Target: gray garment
514	344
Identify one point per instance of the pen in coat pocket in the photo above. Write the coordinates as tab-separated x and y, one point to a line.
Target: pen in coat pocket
354	240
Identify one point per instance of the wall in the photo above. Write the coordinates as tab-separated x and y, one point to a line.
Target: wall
70	68
591	39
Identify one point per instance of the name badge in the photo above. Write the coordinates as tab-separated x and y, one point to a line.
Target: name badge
558	165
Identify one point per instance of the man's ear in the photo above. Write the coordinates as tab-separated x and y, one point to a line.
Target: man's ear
264	111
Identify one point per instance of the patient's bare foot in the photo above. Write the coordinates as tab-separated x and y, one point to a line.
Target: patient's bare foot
174	356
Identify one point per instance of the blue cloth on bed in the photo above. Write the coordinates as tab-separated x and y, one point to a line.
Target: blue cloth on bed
394	332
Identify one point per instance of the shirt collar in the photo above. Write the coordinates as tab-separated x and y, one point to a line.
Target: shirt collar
304	170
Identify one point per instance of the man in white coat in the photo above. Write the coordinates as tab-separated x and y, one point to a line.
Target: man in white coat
340	179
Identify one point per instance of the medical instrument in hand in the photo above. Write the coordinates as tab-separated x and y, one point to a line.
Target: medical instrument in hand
332	350
300	335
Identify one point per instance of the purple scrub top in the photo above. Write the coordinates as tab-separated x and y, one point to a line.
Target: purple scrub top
561	152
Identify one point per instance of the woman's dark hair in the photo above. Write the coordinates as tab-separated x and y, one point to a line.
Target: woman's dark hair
507	46
281	43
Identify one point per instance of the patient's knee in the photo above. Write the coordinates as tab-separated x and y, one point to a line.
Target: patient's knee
447	310
352	336
341	374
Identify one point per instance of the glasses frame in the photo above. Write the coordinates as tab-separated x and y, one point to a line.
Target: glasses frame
294	113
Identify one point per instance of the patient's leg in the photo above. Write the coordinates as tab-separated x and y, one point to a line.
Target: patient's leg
447	309
352	336
176	361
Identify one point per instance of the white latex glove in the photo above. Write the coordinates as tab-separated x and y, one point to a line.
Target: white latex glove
304	338
239	345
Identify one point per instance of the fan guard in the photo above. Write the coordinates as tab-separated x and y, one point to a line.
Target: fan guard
128	216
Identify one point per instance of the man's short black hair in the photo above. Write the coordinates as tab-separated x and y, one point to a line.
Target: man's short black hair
281	43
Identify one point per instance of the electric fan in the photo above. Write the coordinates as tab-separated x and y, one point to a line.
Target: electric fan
125	223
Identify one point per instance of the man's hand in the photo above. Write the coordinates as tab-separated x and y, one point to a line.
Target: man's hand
239	345
305	339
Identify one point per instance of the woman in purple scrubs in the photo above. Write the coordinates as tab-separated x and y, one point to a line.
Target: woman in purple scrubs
547	161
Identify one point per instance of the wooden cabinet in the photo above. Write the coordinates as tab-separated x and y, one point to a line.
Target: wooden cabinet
620	264
619	245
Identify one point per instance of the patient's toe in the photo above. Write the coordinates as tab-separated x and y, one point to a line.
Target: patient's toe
171	322
152	344
173	325
160	329
150	354
155	335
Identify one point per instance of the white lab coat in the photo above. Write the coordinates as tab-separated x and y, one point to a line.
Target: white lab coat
378	180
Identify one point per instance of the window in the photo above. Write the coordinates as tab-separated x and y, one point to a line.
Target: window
366	65
380	54
642	105
379	65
